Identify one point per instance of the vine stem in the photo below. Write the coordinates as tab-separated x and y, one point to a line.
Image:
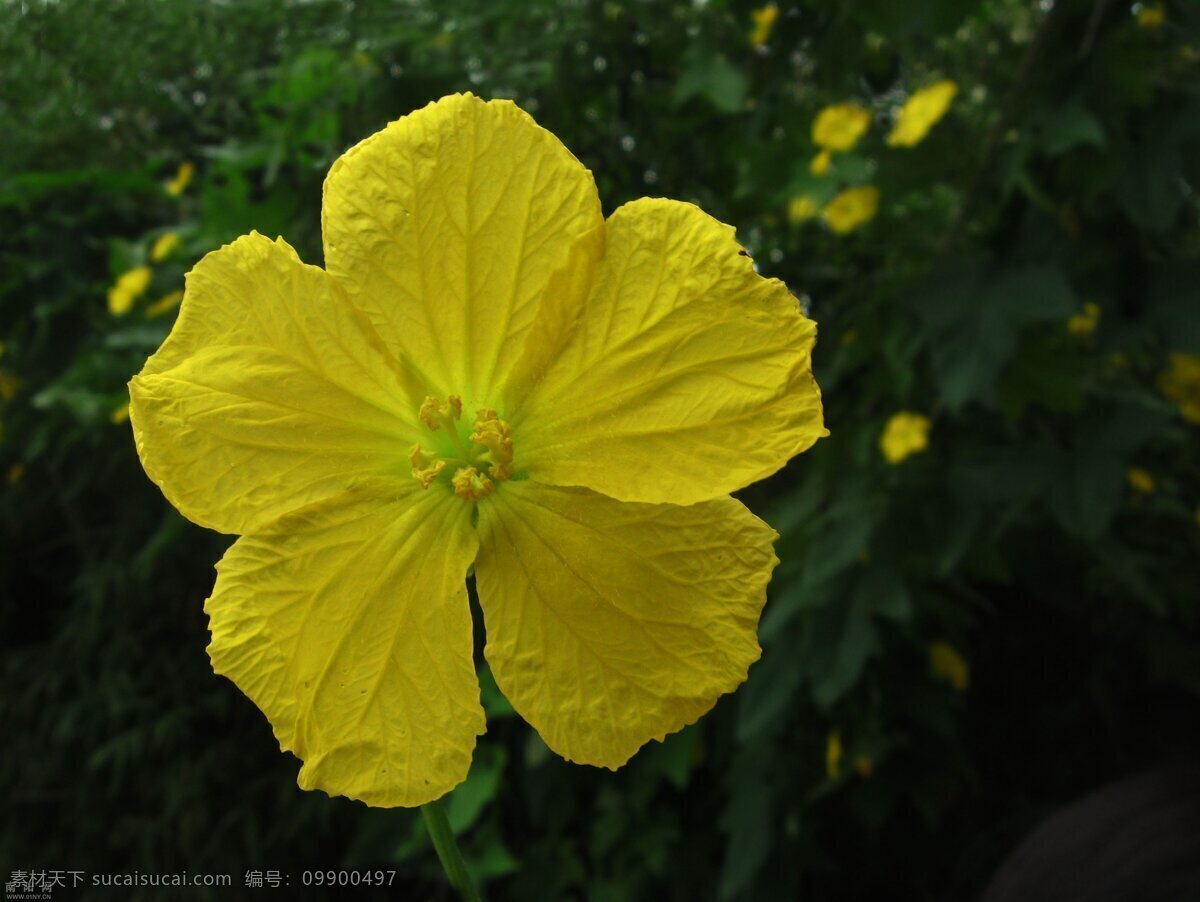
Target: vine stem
447	850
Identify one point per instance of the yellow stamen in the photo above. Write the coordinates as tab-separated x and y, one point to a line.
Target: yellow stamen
435	413
470	485
492	432
425	465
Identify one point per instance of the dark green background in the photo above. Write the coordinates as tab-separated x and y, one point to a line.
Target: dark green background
1064	173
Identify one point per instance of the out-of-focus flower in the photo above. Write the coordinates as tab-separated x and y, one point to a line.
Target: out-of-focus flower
1141	481
1152	16
165	304
128	288
10	384
946	663
1084	323
852	208
802	208
864	766
838	127
15	472
921	113
1181	383
163	246
833	754
120	415
183	178
821	162
764	21
905	434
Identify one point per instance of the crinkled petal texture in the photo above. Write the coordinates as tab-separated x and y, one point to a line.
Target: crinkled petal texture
683	376
347	623
446	228
271	393
613	623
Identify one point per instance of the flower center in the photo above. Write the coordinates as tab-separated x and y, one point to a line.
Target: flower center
475	464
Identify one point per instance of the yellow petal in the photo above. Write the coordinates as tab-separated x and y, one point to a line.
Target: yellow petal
904	434
611	623
686	375
163	246
446	227
270	393
348	625
947	663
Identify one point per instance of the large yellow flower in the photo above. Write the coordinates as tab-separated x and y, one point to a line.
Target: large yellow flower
487	373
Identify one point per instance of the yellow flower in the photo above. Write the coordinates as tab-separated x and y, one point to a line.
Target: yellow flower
905	434
128	288
165	304
1152	16
1084	323
764	21
486	373
833	755
945	662
15	472
1181	383
852	208
821	162
838	127
183	178
120	415
801	208
163	246
10	384
1141	481
921	113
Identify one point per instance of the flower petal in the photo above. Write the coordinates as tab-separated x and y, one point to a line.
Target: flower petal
446	227
348	625
613	623
270	393
685	376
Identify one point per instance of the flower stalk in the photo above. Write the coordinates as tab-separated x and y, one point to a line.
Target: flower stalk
447	850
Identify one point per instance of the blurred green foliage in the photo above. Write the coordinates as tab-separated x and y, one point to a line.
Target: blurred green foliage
847	767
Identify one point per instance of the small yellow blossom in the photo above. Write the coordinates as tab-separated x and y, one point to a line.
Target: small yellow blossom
128	288
1181	383
921	113
120	415
165	304
163	246
1141	481
15	472
801	208
764	21
10	384
905	434
945	662
833	754
838	127
1152	16
620	583
183	178
1084	323
821	162
852	208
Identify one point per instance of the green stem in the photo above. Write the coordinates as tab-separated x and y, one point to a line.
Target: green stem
447	850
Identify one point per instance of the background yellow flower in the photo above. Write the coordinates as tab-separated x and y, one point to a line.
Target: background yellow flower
127	289
921	112
851	209
905	434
